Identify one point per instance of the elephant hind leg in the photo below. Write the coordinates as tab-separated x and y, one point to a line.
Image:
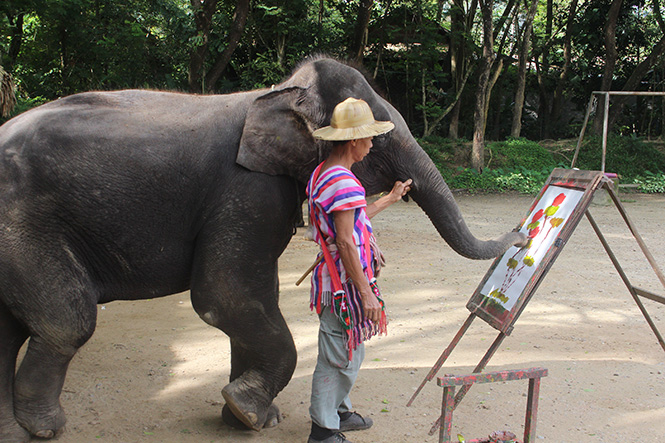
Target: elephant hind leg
62	322
12	337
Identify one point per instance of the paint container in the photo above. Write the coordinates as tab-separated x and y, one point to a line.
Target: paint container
502	437
601	197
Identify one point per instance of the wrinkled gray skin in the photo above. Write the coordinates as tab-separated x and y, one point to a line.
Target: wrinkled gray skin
139	194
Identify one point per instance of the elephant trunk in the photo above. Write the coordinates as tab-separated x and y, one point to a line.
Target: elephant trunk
432	194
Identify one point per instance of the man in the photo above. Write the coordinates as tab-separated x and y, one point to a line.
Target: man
344	290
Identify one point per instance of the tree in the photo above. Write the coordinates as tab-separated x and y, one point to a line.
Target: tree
483	88
204	11
642	69
357	47
557	102
611	56
543	69
7	93
234	36
460	25
521	71
419	61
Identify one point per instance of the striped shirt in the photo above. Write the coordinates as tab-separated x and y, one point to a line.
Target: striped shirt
336	189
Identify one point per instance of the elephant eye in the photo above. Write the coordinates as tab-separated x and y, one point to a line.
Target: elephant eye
383	138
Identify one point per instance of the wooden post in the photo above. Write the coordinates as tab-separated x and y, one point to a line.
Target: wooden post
531	411
583	130
606	119
447	408
624	277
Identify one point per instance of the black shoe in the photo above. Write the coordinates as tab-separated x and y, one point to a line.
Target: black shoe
337	437
355	422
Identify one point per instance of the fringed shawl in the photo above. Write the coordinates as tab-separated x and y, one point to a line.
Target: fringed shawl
337	189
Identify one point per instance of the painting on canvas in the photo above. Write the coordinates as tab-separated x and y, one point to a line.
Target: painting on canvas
518	265
551	219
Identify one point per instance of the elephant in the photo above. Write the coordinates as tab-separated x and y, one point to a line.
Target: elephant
137	194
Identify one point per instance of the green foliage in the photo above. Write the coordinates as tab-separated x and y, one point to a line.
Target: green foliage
439	149
519	153
261	72
69	46
650	183
521	165
627	156
23	104
78	45
520	180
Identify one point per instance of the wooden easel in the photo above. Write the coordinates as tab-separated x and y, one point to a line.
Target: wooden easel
482	306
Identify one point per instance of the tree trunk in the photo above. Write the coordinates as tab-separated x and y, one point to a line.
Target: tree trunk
611	56
203	12
494	77
382	40
542	71
15	42
454	105
357	47
658	15
557	104
7	93
485	67
504	17
423	98
453	125
235	33
516	127
457	65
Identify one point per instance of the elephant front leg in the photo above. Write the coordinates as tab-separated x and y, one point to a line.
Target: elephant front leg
263	353
235	288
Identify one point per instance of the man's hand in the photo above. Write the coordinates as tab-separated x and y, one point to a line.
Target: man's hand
371	306
400	189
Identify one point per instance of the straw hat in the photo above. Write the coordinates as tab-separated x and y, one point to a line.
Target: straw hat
352	119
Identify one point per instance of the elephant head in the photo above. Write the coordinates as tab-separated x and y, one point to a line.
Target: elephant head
277	140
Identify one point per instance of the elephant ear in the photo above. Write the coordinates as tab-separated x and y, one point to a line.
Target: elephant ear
277	136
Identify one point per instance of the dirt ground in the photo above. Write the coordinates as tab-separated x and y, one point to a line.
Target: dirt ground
153	371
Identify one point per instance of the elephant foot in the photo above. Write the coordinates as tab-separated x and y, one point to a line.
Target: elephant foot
273	418
46	425
14	434
250	406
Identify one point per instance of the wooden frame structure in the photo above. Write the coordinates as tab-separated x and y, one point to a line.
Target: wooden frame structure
449	382
606	116
589	182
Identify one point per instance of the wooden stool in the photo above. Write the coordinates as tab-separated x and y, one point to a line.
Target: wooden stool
448	405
